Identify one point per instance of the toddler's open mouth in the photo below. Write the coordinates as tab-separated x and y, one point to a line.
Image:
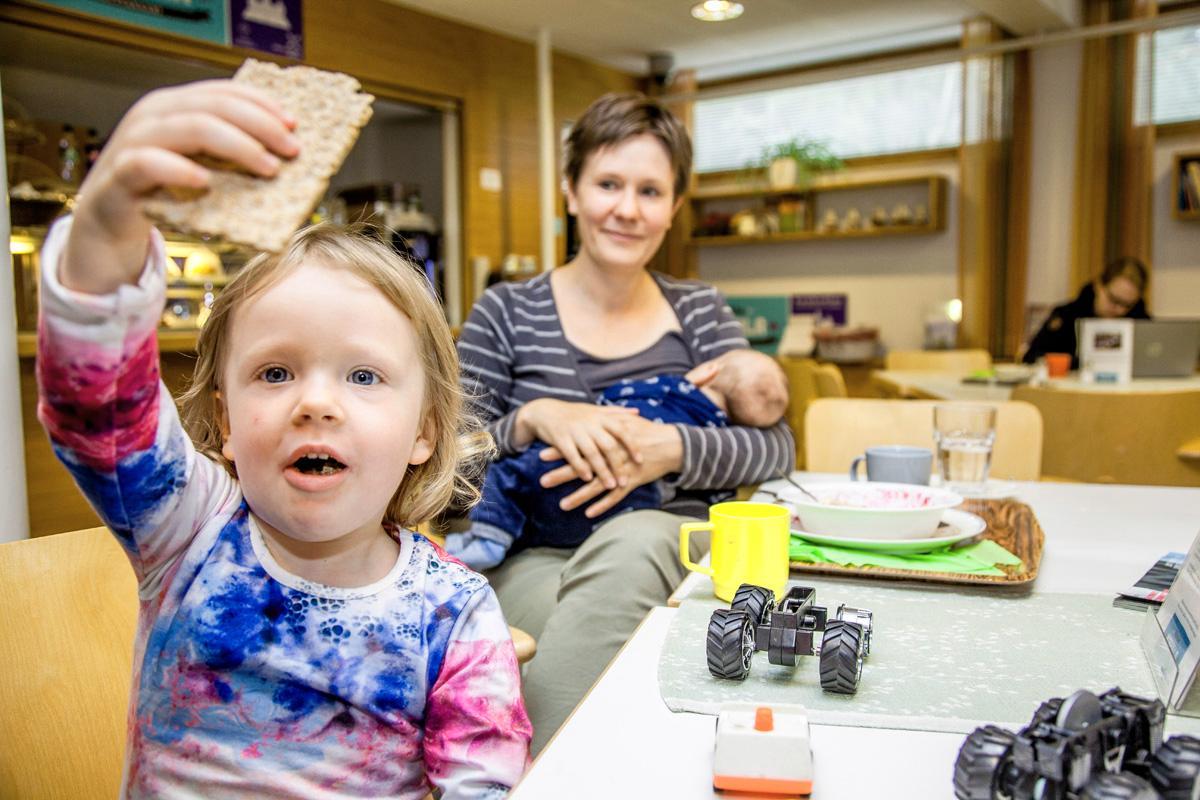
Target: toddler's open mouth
318	464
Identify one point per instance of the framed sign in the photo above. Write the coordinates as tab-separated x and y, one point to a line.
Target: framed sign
269	26
196	19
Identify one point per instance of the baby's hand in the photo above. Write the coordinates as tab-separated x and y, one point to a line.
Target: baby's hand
150	149
703	374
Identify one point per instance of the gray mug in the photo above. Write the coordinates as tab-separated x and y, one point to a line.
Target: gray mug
895	463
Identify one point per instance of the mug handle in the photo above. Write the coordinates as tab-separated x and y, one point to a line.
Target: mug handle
685	530
854	467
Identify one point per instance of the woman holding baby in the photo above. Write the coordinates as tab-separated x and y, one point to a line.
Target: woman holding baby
539	354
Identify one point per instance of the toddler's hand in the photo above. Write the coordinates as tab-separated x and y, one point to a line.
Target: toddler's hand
150	149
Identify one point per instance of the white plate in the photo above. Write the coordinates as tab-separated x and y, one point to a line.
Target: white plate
960	525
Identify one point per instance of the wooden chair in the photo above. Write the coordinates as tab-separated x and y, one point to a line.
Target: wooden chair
837	430
66	643
808	380
66	640
1119	437
938	360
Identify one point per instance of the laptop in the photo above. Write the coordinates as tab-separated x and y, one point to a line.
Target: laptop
1165	348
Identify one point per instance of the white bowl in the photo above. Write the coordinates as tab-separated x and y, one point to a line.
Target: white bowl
866	510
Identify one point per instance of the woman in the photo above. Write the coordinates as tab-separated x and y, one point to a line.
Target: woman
1116	293
536	354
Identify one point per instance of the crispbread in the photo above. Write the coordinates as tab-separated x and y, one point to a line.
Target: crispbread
263	212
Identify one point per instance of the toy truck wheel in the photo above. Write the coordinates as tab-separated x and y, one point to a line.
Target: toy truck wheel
841	657
757	601
1175	768
730	644
981	759
1118	786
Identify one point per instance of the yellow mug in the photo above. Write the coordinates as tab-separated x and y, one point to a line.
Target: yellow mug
749	545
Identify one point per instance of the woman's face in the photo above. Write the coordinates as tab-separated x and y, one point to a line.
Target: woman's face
1116	298
624	201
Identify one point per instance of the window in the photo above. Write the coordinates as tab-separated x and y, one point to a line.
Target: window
1177	74
892	112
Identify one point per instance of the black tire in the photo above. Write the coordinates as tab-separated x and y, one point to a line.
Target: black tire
841	657
757	601
730	644
1175	768
1118	786
980	761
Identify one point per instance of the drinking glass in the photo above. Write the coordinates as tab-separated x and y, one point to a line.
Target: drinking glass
964	433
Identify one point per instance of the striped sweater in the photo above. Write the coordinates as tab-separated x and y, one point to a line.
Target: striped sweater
513	350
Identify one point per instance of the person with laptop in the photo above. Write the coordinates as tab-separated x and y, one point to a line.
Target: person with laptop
1116	293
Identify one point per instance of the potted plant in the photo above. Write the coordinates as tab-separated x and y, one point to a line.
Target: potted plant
793	162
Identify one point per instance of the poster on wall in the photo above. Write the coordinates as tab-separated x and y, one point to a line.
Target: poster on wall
762	318
829	308
269	26
196	19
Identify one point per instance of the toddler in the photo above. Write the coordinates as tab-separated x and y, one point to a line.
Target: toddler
294	638
742	384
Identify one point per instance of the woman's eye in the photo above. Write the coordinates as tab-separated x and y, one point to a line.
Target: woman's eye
364	377
275	374
651	191
608	185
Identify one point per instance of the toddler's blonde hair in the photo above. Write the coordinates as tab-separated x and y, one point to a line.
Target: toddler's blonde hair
461	448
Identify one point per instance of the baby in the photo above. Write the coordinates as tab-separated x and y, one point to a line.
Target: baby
294	638
743	385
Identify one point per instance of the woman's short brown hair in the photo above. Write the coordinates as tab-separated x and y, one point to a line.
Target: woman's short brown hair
1126	267
616	117
461	448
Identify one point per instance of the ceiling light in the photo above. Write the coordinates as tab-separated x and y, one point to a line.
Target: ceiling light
717	10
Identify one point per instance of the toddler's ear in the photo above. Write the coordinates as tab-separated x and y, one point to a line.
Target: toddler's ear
223	424
423	445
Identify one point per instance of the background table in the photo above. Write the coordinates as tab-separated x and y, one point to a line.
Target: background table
623	742
949	385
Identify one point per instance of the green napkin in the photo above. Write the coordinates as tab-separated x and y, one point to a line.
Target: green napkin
976	559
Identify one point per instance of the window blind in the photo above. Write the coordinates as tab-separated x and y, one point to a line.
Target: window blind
1176	96
892	112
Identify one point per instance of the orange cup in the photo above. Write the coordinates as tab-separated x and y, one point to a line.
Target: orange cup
1058	364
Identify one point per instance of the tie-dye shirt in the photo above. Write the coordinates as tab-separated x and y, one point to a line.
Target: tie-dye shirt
250	681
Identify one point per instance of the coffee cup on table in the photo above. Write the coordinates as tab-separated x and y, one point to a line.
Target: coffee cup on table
749	545
895	463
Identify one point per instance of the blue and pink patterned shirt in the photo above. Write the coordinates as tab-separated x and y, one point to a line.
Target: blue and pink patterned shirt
248	680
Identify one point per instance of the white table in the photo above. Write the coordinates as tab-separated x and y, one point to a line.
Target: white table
949	385
623	742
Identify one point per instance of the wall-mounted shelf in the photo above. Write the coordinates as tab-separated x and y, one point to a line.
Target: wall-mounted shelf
796	214
1185	187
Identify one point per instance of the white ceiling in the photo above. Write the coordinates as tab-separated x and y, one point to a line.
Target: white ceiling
771	33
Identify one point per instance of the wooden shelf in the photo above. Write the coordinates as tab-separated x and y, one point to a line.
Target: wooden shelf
169	341
805	236
932	187
1179	193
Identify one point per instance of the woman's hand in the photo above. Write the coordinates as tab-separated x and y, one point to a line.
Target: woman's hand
594	440
662	447
150	149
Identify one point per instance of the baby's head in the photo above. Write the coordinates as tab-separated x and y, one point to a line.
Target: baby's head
753	385
327	383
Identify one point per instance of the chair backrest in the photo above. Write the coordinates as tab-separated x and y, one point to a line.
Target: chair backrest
939	360
837	430
1119	437
66	642
830	382
808	380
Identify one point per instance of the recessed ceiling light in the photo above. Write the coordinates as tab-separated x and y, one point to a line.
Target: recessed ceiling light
717	10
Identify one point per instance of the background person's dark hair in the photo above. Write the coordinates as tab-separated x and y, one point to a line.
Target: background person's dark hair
615	117
1126	267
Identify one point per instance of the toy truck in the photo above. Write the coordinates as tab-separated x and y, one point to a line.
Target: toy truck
796	627
1084	747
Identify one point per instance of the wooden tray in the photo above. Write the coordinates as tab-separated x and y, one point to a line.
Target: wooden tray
1010	524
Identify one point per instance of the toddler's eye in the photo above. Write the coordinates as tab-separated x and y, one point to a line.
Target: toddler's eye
364	377
275	375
